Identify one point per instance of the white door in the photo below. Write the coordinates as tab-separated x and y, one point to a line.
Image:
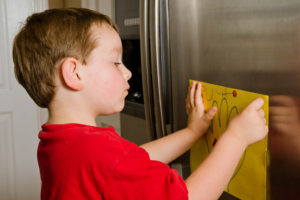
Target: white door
19	116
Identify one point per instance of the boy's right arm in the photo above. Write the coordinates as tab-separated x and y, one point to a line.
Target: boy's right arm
211	177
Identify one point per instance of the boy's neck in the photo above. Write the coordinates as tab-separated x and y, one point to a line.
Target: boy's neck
53	120
65	115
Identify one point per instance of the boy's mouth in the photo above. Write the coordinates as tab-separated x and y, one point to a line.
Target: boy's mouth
127	90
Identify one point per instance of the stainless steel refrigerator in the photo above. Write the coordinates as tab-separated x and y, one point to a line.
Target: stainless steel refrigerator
246	44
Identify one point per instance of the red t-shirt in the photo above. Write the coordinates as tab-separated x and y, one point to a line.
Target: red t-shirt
85	162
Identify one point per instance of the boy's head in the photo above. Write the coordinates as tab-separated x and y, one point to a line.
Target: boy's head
45	40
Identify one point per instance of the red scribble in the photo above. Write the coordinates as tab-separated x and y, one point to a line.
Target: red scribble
234	93
215	141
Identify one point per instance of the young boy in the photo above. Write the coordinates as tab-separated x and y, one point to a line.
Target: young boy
70	61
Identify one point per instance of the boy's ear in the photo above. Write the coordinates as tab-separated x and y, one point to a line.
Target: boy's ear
71	73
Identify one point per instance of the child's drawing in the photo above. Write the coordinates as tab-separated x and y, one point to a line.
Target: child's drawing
249	180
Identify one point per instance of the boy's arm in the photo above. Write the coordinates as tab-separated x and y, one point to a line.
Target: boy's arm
170	147
210	179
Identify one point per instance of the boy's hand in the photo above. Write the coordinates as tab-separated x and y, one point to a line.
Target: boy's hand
250	125
198	120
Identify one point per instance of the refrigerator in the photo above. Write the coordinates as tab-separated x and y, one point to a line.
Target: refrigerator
251	45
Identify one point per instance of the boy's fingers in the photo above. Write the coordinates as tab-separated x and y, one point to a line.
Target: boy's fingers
192	93
189	89
261	113
211	113
187	99
198	98
266	128
256	104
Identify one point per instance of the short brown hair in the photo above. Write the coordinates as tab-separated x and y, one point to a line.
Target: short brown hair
45	40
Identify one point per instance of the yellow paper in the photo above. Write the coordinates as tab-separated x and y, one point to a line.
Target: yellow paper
249	180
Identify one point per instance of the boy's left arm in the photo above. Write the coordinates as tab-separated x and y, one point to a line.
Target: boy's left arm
170	147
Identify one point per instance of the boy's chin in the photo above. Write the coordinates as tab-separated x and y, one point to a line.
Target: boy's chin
117	109
113	110
120	107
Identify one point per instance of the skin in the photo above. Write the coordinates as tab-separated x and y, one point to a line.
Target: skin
84	92
97	88
209	179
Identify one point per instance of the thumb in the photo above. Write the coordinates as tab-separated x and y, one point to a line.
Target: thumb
256	104
210	114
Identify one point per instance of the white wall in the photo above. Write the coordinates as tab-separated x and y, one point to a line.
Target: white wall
19	116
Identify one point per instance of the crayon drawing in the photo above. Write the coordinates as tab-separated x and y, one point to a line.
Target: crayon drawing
249	180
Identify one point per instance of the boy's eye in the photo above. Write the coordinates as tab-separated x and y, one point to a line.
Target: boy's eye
117	64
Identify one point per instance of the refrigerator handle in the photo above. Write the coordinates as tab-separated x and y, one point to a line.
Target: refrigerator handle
145	65
156	68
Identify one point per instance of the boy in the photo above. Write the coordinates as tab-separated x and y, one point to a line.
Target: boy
70	61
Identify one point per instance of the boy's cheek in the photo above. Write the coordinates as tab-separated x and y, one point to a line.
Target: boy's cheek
115	88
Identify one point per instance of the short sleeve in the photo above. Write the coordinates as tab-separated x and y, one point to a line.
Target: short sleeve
138	177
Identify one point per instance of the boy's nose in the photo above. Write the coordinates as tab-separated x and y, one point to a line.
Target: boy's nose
127	73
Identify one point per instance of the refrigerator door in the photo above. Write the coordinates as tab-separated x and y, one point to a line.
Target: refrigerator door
146	68
155	70
251	45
